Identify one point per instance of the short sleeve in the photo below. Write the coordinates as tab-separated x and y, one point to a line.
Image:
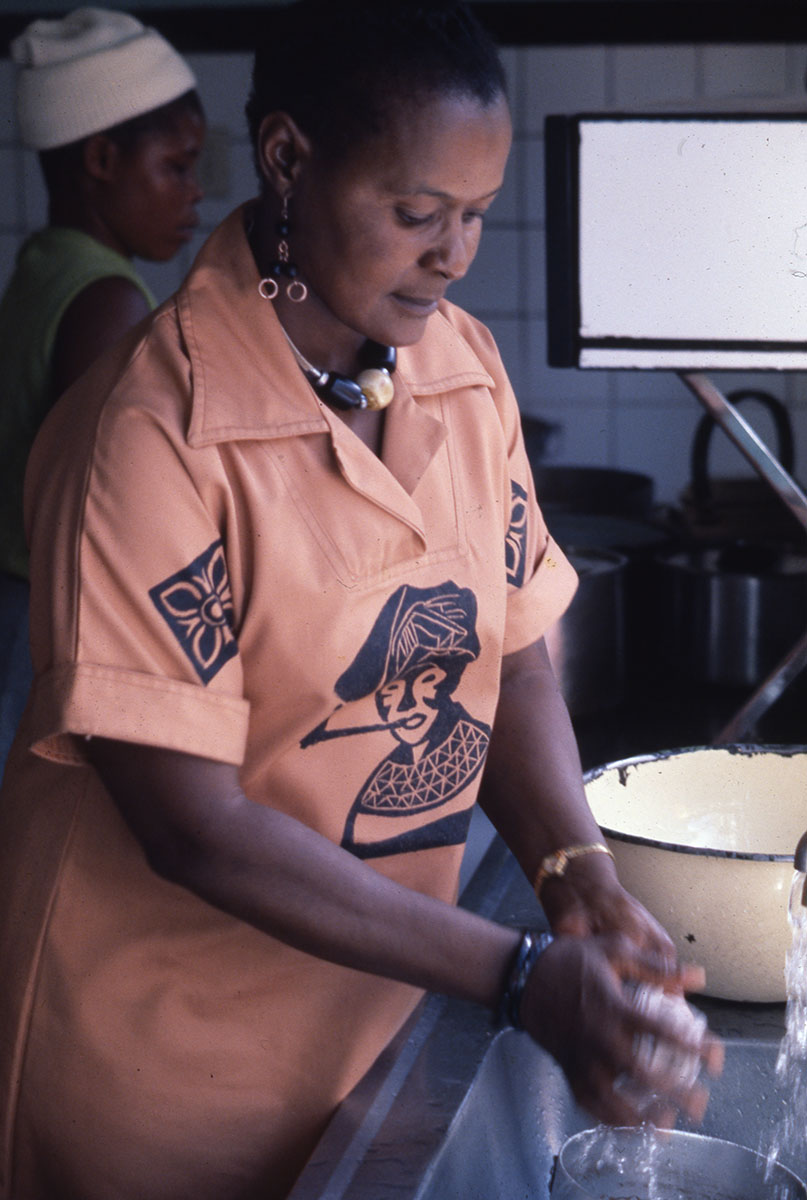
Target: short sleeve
541	580
134	623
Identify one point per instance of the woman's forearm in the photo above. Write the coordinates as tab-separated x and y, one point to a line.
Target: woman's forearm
532	788
199	830
291	882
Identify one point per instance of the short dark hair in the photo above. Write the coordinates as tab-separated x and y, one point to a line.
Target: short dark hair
339	69
61	162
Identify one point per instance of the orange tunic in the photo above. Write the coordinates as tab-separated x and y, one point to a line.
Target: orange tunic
220	566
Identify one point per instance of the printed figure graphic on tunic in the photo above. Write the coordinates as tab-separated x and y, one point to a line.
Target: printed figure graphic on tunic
408	669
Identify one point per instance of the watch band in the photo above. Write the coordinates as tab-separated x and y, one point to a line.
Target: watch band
554	865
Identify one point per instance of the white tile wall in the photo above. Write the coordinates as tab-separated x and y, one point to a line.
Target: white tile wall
491	287
638	420
6	101
223	81
34	201
744	70
651	75
558	79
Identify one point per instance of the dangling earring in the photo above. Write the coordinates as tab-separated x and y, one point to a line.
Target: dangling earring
282	267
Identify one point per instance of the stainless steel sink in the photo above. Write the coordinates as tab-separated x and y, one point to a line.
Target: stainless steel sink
454	1110
485	1157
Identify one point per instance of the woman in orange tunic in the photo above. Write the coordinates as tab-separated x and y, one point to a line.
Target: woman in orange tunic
283	640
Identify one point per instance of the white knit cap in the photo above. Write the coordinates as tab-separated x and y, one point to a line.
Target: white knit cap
89	71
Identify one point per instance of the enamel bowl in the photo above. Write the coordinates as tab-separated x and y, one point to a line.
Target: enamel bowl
705	838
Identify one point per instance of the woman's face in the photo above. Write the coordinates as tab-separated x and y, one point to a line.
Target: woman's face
379	238
150	199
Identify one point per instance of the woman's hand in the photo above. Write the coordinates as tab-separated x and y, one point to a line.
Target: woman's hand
577	1007
589	899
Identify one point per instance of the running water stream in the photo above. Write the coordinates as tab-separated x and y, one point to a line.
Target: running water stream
790	1132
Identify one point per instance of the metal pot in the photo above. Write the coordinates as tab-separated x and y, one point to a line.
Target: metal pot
744	506
606	1164
728	615
539	436
638	542
587	645
598	490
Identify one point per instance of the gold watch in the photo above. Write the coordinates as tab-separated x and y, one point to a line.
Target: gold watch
554	865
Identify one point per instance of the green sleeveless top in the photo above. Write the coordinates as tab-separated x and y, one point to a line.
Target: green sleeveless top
52	267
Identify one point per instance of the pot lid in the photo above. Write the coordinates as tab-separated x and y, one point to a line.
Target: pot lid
604	531
588	561
759	561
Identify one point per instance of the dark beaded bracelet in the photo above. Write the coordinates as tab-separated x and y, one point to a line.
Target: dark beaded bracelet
530	949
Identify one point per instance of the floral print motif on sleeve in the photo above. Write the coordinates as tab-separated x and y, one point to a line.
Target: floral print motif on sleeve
197	605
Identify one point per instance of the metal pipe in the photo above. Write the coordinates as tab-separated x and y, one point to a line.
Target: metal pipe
766	695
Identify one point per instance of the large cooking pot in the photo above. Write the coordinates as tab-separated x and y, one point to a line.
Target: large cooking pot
744	506
634	543
539	436
601	490
729	614
705	839
587	645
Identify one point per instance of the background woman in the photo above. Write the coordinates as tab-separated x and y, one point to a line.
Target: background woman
113	111
225	926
